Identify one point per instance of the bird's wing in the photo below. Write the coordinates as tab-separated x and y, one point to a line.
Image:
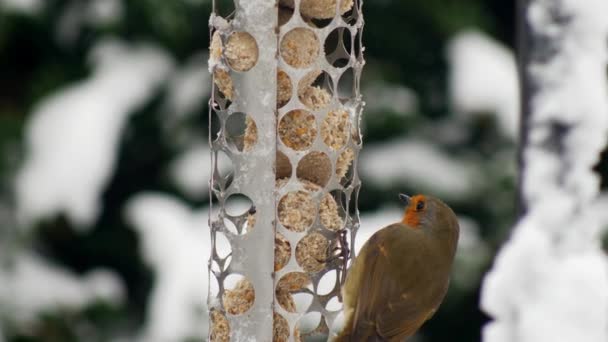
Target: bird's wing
387	301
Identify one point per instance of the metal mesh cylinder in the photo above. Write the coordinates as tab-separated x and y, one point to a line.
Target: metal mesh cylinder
285	112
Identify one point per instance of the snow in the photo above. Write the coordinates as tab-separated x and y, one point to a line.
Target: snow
189	86
394	98
30	7
102	12
537	296
73	135
549	281
21	292
176	244
79	14
483	79
419	164
191	171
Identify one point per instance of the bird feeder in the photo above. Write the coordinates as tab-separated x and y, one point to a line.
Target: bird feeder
284	114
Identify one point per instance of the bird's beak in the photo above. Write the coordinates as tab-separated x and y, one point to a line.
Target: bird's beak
405	199
252	210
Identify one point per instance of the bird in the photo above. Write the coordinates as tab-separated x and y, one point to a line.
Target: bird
402	273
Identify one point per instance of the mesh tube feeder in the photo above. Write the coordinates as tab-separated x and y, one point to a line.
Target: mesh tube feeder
284	114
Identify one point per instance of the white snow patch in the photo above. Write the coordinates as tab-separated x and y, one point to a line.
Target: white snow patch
31	285
483	78
420	164
78	14
390	97
176	244
189	86
538	296
103	12
73	135
30	7
549	281
191	171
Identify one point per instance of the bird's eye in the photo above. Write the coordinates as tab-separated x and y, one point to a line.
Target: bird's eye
420	205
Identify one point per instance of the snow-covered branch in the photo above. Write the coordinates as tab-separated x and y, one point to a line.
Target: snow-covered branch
550	281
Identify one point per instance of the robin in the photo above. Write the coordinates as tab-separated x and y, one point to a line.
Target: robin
402	273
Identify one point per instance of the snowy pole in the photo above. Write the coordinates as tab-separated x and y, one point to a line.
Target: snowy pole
287	106
550	281
522	30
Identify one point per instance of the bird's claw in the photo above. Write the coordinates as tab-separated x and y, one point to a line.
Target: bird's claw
342	249
343	254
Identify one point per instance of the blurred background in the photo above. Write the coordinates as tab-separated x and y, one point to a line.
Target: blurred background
104	161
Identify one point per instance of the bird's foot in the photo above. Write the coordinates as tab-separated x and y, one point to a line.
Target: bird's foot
340	251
